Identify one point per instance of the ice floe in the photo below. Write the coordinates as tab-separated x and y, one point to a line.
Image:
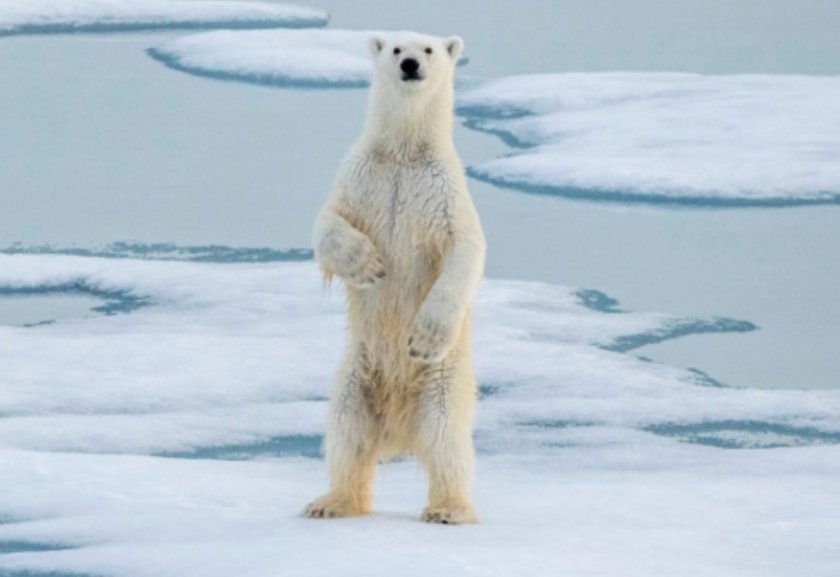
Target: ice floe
663	137
48	16
689	139
301	58
587	512
178	438
168	251
287	58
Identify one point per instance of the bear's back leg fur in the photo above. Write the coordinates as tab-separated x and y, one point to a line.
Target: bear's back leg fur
352	443
443	441
372	419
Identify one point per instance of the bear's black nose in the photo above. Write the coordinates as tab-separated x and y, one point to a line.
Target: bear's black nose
409	66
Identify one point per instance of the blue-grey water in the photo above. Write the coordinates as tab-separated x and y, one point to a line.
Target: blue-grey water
99	143
33	310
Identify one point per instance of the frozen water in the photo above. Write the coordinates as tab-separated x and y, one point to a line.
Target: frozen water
47	16
302	58
169	251
178	439
33	305
109	301
33	309
262	312
604	511
735	140
291	58
739	140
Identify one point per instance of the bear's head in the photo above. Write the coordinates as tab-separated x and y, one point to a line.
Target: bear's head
415	63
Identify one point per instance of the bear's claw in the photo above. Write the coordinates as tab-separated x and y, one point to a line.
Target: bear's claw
319	512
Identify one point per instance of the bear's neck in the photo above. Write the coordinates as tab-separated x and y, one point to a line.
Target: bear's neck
408	129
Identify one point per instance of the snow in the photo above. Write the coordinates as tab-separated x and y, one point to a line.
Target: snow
316	58
176	439
287	58
663	137
654	515
44	16
739	140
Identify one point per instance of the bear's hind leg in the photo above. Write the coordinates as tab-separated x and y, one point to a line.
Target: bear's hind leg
352	445
445	446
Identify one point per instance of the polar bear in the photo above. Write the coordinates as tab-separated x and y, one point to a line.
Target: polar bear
400	229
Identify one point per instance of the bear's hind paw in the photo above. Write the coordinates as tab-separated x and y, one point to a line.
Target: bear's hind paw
449	515
332	507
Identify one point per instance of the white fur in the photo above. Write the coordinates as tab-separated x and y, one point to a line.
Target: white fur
401	230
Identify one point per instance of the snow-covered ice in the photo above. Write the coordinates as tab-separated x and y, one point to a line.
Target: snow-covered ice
168	251
588	512
45	16
739	140
303	58
288	58
663	137
177	438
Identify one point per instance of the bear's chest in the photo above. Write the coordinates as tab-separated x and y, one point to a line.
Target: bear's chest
405	207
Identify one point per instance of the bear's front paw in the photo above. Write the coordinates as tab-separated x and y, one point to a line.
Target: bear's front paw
332	506
430	339
368	274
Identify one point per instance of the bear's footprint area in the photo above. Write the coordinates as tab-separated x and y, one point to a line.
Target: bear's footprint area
332	507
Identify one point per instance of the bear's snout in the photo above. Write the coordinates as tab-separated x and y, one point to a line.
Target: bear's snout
410	66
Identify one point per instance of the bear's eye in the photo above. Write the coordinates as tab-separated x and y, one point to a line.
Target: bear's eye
397	50
428	50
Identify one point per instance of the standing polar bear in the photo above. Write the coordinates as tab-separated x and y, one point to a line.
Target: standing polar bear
399	228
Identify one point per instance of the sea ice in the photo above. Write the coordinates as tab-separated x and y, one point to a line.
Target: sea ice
734	140
45	16
303	58
177	438
738	140
289	58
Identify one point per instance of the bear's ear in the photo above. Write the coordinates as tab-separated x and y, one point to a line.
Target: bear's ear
376	44
454	45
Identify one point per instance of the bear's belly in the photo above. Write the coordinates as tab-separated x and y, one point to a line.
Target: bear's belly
387	309
404	211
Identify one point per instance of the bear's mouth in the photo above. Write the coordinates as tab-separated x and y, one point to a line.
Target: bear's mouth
411	77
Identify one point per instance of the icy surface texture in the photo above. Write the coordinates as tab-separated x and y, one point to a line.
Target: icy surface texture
182	438
285	58
736	140
663	138
296	58
168	251
49	16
